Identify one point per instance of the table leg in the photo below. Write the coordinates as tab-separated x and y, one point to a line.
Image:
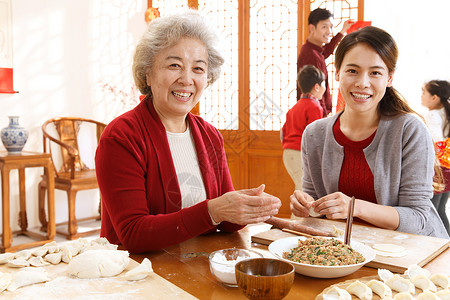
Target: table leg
23	222
51	227
7	234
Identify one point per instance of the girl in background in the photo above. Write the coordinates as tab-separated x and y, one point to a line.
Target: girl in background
436	97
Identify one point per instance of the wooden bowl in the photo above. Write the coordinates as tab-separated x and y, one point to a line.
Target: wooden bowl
264	278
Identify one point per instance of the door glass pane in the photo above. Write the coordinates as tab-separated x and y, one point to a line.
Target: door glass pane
273	62
220	102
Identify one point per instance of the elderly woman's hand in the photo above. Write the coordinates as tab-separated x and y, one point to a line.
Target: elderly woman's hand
300	203
244	206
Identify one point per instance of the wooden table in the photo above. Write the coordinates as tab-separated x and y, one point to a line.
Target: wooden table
21	161
186	265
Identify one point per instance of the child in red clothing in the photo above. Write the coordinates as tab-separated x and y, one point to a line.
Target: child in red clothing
311	81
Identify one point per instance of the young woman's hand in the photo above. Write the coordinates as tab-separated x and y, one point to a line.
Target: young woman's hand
333	206
300	203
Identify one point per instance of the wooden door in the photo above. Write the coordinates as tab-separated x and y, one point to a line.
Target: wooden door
248	104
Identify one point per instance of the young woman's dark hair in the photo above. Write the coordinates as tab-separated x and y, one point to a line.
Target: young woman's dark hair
319	14
441	88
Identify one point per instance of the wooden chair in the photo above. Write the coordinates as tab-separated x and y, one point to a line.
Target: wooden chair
73	174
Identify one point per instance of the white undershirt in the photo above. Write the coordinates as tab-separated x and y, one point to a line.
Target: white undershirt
435	120
185	159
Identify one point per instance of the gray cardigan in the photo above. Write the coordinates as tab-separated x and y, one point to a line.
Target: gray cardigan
401	158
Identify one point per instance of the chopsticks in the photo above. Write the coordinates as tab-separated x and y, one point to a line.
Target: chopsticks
296	232
348	225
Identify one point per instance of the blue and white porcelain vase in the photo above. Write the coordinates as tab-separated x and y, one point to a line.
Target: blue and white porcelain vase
14	136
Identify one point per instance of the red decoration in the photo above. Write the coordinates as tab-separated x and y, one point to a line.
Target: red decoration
442	149
358	25
340	102
151	14
6	81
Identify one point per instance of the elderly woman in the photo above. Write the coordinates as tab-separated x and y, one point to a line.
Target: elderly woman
162	171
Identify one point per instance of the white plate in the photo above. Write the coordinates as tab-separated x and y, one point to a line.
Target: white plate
286	244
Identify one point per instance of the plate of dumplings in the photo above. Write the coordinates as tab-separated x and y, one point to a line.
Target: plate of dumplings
416	283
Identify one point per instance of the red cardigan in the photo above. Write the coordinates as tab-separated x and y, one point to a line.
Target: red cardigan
141	200
311	54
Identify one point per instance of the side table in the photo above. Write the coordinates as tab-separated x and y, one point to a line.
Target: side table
21	161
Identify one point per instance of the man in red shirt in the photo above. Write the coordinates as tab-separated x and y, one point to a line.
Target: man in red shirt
307	109
319	45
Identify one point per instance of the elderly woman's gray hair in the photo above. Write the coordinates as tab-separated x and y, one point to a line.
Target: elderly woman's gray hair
167	31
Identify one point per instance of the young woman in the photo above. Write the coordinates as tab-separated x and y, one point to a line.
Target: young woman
436	97
377	150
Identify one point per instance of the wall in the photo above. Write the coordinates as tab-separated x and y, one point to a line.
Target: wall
64	53
420	29
69	55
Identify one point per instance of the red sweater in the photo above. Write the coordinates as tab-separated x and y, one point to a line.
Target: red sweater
356	178
305	111
311	54
141	200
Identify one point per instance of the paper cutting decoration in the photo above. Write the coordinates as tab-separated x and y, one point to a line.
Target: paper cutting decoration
443	152
358	25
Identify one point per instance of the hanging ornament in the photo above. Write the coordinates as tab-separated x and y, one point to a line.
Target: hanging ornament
151	14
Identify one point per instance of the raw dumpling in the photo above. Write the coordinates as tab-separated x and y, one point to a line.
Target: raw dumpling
336	293
140	272
5	257
101	243
427	295
53	258
423	283
403	296
25	254
27	276
52	247
380	288
67	252
360	290
98	263
444	294
441	280
41	251
18	263
385	275
5	280
337	232
400	284
37	261
414	270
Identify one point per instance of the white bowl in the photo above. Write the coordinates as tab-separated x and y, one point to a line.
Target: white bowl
222	263
286	244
